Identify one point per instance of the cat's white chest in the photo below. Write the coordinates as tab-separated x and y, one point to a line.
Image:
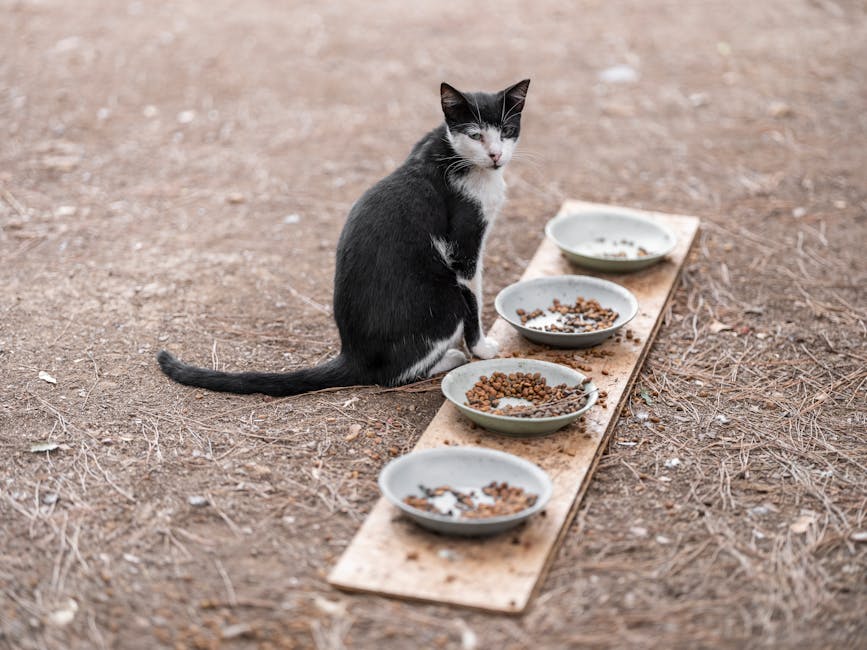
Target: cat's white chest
487	188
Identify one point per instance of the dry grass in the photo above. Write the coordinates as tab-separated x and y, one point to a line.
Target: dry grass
749	115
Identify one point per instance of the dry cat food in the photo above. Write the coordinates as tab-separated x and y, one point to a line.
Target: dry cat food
586	315
493	500
539	399
622	249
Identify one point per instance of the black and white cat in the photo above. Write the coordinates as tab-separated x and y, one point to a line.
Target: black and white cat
408	280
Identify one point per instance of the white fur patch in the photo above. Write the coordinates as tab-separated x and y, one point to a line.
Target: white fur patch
445	250
486	348
434	355
451	359
485	187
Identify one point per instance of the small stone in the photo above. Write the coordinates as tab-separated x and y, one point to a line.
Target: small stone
37	447
671	463
802	524
50	498
65	614
185	117
61	163
799	212
236	630
290	219
638	531
859	536
65	211
235	198
354	431
197	500
699	99
150	111
779	109
619	74
67	44
44	376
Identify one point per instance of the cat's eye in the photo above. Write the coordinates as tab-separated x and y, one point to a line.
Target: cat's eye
507	132
476	136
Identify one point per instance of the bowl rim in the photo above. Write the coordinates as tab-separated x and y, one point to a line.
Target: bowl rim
580	214
498	305
592	394
466	450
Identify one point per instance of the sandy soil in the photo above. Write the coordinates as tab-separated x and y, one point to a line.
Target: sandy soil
176	175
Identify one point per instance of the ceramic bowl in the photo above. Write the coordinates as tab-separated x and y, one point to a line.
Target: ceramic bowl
610	241
462	468
456	384
539	293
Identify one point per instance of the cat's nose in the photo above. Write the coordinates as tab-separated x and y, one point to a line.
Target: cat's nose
495	156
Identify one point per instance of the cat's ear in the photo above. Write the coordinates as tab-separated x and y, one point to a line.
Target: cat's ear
452	101
515	96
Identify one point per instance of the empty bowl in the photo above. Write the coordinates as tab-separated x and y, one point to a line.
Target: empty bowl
464	469
610	240
460	380
540	293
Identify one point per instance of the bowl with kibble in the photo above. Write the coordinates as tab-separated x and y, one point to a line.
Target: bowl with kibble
566	311
520	397
467	491
610	240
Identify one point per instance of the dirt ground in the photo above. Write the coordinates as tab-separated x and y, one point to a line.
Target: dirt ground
176	175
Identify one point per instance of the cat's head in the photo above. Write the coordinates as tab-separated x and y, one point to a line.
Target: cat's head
483	128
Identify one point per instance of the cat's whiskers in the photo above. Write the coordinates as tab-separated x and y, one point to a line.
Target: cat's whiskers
526	155
478	112
457	166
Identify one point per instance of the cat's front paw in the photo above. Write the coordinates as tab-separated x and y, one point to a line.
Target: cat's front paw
486	348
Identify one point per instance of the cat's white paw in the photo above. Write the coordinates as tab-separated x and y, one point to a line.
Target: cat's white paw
451	359
486	348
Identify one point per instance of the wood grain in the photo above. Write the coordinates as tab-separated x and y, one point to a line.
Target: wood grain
391	556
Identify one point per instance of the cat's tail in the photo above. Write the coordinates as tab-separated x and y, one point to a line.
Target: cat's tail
330	374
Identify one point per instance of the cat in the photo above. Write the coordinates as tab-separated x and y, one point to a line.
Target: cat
408	278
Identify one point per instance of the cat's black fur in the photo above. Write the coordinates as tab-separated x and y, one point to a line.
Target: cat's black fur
394	295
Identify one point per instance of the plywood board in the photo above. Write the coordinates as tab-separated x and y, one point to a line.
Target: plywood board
391	556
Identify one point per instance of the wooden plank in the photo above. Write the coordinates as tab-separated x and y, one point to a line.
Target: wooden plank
391	556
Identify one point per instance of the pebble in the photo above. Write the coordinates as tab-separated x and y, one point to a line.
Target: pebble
779	109
65	211
618	74
197	500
